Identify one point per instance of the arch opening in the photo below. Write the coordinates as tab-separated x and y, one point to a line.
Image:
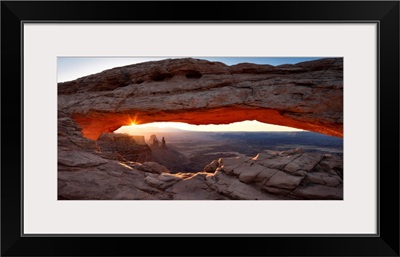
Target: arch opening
306	96
94	123
184	147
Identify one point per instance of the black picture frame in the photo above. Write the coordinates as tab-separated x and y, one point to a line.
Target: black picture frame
383	13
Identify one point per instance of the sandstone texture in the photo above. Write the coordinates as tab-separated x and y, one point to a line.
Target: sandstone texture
95	164
123	147
87	173
307	95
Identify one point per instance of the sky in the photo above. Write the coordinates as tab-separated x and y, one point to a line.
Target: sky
243	126
71	68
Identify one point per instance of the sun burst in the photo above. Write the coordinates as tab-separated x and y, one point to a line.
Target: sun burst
134	121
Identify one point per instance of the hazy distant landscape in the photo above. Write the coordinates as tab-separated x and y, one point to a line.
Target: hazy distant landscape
201	129
191	151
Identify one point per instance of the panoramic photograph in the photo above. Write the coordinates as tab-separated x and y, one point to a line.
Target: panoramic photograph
200	128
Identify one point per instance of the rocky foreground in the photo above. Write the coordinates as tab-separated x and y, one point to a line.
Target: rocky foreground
95	165
87	173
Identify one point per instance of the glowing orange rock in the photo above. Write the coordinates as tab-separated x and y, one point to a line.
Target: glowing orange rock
307	95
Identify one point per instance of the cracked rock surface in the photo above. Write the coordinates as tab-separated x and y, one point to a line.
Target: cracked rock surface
85	173
307	95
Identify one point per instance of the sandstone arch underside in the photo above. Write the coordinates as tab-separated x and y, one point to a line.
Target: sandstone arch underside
307	95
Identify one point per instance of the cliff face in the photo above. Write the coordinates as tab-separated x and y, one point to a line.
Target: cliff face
307	95
153	142
95	165
87	171
123	147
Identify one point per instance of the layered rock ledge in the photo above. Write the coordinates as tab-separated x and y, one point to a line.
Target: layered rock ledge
95	165
307	95
87	173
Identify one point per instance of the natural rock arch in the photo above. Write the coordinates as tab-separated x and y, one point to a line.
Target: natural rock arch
307	95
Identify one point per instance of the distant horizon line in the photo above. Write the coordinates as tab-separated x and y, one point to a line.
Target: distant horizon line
197	131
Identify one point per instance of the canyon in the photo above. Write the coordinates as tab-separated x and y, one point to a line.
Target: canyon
96	164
